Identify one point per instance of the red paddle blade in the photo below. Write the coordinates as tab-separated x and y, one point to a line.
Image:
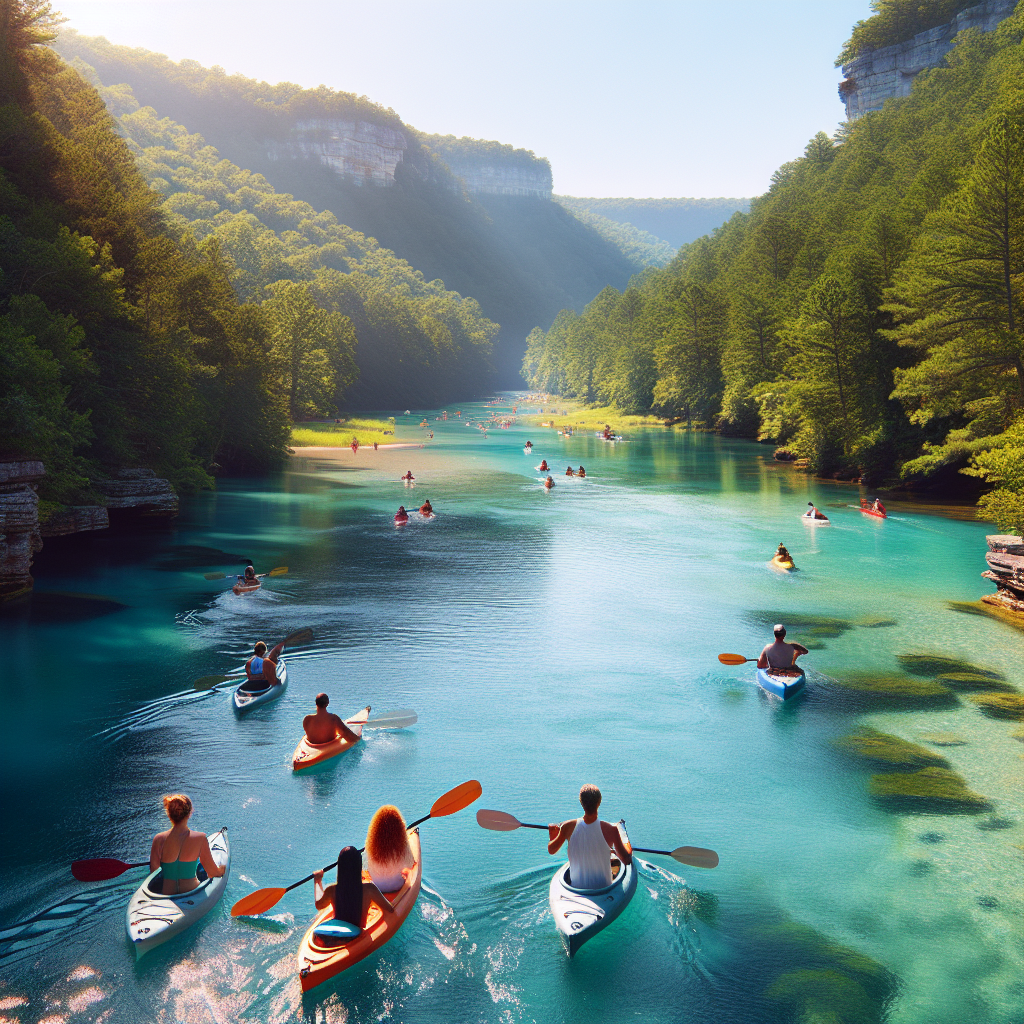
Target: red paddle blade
99	869
257	902
455	799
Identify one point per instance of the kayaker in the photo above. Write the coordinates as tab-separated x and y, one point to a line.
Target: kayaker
569	471
590	843
780	654
877	506
387	854
426	509
324	725
179	851
249	577
543	467
528	445
815	514
401	516
549	483
408	475
582	472
262	667
783	554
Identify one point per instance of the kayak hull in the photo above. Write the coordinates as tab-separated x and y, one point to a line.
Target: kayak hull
814	521
152	918
309	754
783	564
874	512
246	588
780	683
318	963
245	701
581	913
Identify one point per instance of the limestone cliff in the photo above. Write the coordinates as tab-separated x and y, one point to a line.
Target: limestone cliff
365	153
874	77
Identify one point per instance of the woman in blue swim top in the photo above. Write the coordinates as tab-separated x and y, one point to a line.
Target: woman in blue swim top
179	851
261	668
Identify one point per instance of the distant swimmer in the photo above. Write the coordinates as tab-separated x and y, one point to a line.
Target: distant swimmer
549	483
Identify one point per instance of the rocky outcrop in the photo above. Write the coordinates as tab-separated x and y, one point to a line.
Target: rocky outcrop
872	78
365	153
1005	560
19	526
135	492
496	179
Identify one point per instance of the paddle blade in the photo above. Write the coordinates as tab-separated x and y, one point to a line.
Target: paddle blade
695	856
209	682
300	636
257	902
214	576
392	720
279	571
733	659
455	799
497	821
99	869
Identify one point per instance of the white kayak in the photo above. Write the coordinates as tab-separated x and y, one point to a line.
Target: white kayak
153	918
245	698
815	520
581	913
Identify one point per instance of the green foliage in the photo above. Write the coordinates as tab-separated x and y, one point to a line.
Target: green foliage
641	248
1007	706
882	748
895	21
867	312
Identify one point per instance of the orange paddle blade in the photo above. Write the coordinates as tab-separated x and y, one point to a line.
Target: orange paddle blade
455	799
257	902
733	659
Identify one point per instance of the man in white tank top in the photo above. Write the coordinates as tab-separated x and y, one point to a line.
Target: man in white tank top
590	843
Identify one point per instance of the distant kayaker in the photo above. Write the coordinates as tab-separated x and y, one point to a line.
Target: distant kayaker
582	472
179	851
877	506
569	471
387	854
780	654
549	483
262	667
814	513
426	509
590	843
408	475
784	555
401	516
543	467
249	577
324	726
529	444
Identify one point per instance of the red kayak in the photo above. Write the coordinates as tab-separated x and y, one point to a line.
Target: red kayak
399	520
868	508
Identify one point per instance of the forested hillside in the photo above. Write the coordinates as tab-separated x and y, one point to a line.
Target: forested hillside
676	221
867	312
522	258
121	343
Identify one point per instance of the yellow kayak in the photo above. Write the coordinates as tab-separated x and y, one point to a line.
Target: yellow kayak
783	564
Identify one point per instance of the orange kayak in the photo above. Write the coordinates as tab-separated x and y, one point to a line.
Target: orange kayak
318	963
246	588
308	754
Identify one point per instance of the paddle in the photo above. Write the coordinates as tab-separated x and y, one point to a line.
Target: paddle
99	869
400	719
300	636
454	800
279	571
695	856
734	659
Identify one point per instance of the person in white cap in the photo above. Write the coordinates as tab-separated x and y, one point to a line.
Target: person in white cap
780	654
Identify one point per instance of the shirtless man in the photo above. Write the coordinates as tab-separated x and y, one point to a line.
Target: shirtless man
261	668
325	726
780	655
590	843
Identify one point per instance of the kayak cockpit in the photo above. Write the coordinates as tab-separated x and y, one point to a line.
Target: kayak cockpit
616	868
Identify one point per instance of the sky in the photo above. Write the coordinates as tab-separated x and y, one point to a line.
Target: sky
649	98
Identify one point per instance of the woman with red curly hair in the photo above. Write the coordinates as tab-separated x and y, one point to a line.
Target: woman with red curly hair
179	851
387	854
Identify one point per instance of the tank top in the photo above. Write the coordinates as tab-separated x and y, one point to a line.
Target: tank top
256	666
590	859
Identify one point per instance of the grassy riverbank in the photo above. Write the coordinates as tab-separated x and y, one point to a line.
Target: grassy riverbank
339	435
582	417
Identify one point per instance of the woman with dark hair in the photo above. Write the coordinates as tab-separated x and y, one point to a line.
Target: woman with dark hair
179	851
388	856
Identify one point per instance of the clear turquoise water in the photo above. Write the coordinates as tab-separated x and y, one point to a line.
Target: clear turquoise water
545	640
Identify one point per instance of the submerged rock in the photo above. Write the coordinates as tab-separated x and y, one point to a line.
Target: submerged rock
874	622
892	692
943	739
995	824
883	748
929	791
825	996
966	607
973	681
933	664
932	837
796	622
1007	706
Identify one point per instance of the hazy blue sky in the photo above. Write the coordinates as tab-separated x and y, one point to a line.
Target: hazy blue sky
681	98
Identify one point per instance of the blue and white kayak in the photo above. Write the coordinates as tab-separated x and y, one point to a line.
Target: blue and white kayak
153	918
581	913
783	682
245	698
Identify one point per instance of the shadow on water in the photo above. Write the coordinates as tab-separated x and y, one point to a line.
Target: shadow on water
56	607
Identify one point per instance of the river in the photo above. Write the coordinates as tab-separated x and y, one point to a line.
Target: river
545	640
